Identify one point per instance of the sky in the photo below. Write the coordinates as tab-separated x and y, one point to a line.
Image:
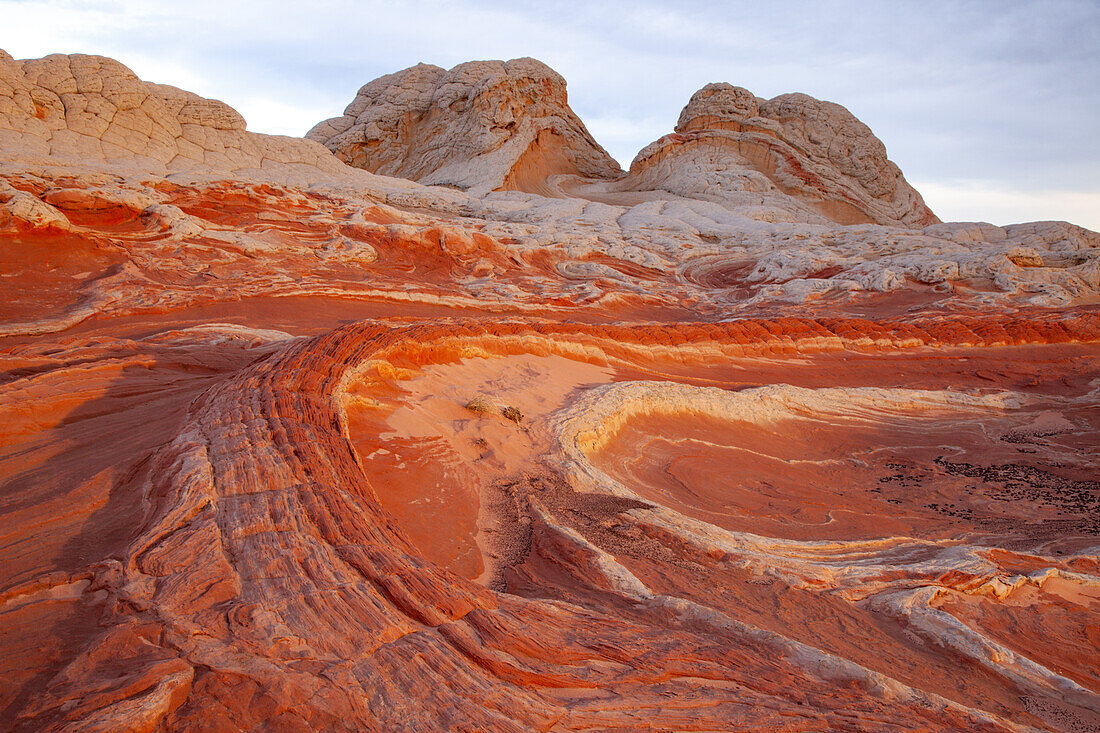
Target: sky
990	107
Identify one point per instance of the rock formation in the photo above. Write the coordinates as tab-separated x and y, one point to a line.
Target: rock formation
289	445
84	109
482	126
791	158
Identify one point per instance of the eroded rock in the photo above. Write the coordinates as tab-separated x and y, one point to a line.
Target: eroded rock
761	470
791	158
481	126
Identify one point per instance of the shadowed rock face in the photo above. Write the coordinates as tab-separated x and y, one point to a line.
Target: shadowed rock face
793	158
483	125
288	445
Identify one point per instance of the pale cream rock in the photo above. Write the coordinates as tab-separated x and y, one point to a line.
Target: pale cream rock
19	209
482	126
688	207
791	158
91	110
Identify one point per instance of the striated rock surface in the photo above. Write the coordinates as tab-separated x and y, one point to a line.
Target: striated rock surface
287	445
482	126
264	584
791	158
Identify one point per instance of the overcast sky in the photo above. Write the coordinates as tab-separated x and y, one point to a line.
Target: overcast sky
990	107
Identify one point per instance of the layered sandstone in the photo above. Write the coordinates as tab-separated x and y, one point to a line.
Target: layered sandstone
293	446
265	584
791	158
482	126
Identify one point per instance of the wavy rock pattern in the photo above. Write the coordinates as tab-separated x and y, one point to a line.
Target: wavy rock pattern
267	585
791	158
286	445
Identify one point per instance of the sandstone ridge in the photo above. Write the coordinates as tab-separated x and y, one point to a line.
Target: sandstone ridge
791	158
483	125
93	110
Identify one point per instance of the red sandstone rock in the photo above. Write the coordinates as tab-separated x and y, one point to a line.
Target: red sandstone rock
770	477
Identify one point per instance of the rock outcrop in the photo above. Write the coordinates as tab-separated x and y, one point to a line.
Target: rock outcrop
263	582
482	126
91	110
287	445
791	158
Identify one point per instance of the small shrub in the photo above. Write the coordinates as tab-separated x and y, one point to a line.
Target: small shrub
480	404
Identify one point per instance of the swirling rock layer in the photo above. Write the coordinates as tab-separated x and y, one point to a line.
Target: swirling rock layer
260	581
304	448
791	158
